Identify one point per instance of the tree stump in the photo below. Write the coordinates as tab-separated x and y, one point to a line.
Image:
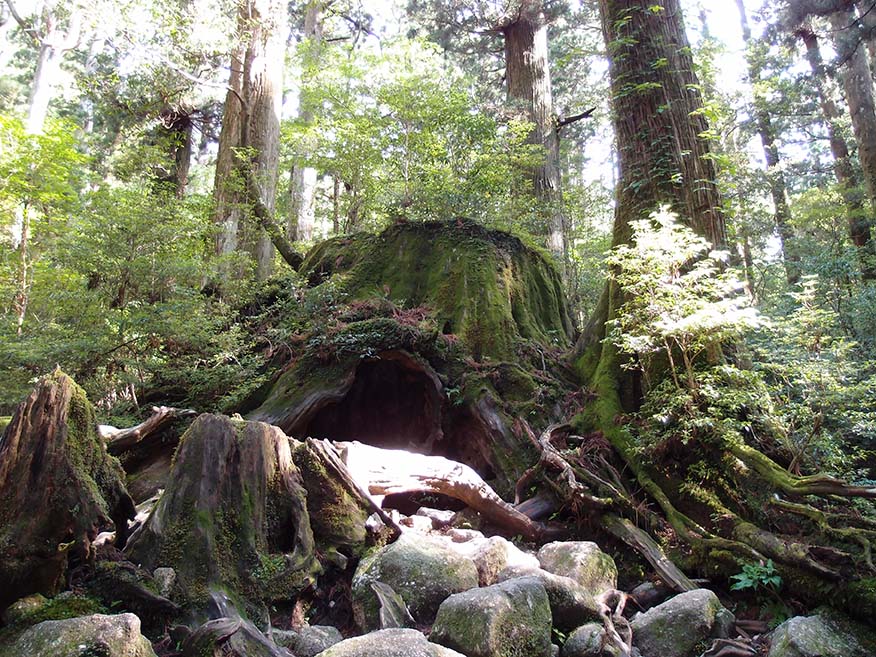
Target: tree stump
59	489
233	517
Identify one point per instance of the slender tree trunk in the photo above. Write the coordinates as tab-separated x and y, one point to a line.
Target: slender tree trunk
858	86
302	217
775	177
527	72
857	211
226	189
23	295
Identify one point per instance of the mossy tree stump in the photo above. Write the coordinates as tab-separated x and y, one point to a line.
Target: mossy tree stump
233	517
59	488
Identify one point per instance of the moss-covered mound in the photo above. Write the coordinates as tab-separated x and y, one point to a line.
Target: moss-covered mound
439	339
482	285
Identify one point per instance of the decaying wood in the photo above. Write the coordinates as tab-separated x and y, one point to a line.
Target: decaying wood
120	441
639	540
58	487
324	450
389	471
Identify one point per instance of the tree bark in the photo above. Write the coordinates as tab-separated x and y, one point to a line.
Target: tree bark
527	72
251	120
664	160
858	86
857	211
226	196
775	177
263	90
303	184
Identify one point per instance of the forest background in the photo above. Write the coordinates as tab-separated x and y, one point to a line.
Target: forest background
129	255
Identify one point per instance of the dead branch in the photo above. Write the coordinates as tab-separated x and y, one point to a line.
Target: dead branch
120	441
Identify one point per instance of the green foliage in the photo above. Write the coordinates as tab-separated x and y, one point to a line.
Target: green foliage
755	576
681	301
401	131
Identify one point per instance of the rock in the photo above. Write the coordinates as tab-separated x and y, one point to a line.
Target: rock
107	636
233	516
440	517
165	578
231	637
423	571
571	605
589	641
493	555
417	523
389	643
27	606
503	620
581	561
676	627
59	488
309	641
822	636
649	594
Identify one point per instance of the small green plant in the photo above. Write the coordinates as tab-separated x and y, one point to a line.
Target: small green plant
764	578
757	576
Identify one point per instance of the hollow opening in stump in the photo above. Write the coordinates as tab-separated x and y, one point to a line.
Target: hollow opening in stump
396	401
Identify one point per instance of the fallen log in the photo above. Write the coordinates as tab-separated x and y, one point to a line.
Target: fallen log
389	471
120	441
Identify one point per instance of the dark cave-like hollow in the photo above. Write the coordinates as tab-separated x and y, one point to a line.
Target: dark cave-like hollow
398	402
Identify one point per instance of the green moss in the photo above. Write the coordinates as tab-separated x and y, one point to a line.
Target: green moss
484	286
4	422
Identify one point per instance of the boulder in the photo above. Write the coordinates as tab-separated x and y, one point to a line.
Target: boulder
493	555
503	620
581	561
589	641
308	641
233	516
571	605
59	489
422	570
826	635
676	627
389	643
107	636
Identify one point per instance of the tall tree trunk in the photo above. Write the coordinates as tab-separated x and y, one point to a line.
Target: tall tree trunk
527	72
858	86
867	14
226	194
252	120
857	211
303	184
663	159
775	177
265	21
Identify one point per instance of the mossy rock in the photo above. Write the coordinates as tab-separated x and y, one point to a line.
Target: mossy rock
107	636
511	619
423	571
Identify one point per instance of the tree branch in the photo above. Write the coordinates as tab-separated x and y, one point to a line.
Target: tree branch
563	122
30	30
